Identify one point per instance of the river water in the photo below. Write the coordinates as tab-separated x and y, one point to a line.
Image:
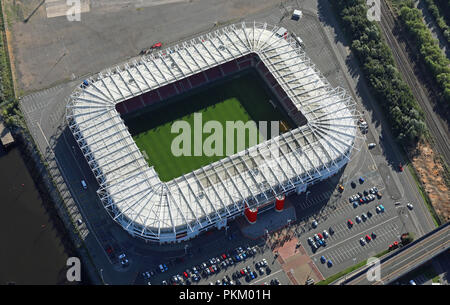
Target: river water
31	249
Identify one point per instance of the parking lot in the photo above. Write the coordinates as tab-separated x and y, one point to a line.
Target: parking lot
333	209
239	266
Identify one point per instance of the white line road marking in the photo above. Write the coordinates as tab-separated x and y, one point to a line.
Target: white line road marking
263	278
382	223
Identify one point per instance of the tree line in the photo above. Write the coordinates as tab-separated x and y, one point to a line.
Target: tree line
385	82
440	21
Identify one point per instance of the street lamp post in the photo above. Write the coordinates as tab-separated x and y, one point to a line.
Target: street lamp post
101	275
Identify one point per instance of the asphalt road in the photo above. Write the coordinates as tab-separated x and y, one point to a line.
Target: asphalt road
408	259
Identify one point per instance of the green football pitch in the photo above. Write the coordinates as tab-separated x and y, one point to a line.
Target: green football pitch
239	99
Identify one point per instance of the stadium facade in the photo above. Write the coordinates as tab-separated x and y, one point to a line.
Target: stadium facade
242	184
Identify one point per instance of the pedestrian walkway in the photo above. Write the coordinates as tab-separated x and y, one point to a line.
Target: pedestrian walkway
268	222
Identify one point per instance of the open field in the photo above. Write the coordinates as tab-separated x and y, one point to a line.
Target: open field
239	99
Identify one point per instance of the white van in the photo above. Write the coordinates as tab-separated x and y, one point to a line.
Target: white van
281	32
83	183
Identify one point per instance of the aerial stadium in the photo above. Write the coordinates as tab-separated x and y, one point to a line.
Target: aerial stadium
172	207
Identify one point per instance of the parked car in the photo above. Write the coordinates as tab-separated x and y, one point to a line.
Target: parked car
314	224
123	260
323	259
373	235
350	223
410	206
368	237
358	219
261	271
364	217
371	145
330	263
362	241
325	234
163	268
330	229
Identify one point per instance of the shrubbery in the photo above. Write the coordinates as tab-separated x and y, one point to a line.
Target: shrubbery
6	86
379	69
10	109
434	10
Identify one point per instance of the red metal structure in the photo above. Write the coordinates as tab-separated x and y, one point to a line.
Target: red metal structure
250	214
279	203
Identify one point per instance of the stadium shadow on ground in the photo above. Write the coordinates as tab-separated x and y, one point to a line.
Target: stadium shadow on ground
243	96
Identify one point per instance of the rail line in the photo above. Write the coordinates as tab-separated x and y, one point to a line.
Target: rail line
441	140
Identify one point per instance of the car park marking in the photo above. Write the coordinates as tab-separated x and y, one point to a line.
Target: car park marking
353	236
263	278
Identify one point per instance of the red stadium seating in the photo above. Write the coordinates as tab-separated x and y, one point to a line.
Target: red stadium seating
151	97
230	67
214	73
120	107
197	79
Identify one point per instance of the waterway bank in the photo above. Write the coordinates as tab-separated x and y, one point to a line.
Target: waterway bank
35	244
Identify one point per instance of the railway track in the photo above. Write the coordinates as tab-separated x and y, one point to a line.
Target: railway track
437	129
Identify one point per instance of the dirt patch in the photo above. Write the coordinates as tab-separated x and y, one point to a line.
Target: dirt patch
432	175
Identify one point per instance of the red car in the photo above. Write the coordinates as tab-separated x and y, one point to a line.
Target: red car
349	222
368	238
157	45
242	272
211	269
400	167
320	235
185	274
224	256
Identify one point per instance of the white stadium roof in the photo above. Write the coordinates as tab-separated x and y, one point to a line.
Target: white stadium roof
154	210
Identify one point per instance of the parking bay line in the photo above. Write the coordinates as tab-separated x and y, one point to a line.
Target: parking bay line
263	278
328	248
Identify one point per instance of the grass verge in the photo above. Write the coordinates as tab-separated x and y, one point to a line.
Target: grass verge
426	199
